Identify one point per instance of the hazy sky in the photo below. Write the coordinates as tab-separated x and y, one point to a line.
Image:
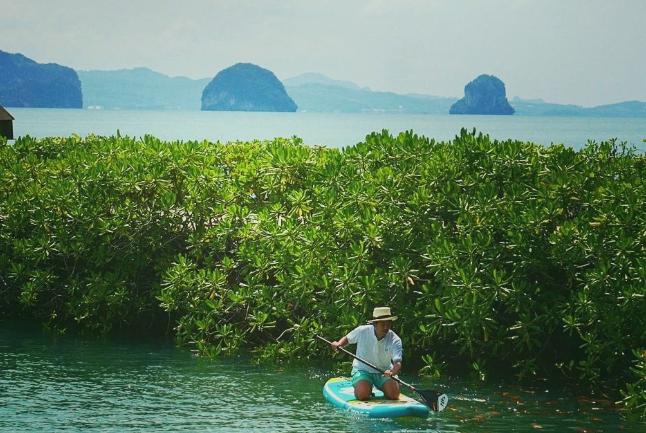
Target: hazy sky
586	52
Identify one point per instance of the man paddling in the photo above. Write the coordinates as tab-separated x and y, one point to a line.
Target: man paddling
379	345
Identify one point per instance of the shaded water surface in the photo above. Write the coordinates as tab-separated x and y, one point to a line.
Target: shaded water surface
50	383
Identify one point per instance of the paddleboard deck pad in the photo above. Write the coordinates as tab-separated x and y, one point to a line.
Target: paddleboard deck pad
340	393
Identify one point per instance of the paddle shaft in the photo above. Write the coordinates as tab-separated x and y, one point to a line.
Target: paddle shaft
347	352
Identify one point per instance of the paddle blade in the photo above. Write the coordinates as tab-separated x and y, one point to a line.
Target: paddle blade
433	399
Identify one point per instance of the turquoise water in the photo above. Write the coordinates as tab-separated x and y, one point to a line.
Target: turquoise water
72	384
328	129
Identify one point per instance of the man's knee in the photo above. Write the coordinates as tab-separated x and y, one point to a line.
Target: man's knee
392	395
363	390
391	390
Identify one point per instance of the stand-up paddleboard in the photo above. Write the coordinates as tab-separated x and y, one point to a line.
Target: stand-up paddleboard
432	399
340	393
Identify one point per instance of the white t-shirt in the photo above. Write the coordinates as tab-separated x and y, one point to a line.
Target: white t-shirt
381	353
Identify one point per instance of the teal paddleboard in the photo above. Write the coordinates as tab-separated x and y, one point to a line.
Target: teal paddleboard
340	393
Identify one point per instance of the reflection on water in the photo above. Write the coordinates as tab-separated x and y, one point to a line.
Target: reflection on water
66	383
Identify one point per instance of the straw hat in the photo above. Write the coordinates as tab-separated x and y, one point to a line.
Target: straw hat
380	314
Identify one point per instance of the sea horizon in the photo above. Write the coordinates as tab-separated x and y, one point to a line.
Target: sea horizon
324	129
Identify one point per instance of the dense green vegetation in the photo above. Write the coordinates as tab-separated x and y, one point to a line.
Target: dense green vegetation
497	256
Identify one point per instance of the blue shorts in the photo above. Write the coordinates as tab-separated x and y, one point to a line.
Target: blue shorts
375	379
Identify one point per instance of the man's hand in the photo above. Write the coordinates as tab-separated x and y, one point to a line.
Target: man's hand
339	343
393	371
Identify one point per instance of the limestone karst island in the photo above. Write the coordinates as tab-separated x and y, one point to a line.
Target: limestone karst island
246	87
484	95
26	83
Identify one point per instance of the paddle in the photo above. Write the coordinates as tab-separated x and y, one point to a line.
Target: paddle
433	399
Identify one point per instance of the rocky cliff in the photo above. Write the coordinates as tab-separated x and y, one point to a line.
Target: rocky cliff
484	95
246	87
26	83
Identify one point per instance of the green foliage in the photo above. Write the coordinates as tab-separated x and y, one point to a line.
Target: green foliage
635	393
498	255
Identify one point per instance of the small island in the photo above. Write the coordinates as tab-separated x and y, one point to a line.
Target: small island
484	95
246	87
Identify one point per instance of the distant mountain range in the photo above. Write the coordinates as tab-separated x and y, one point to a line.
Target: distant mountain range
538	107
140	88
318	93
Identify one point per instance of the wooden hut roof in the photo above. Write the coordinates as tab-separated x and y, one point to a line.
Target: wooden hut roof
4	114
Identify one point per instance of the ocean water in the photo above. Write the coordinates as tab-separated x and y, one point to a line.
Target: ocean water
326	129
51	383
